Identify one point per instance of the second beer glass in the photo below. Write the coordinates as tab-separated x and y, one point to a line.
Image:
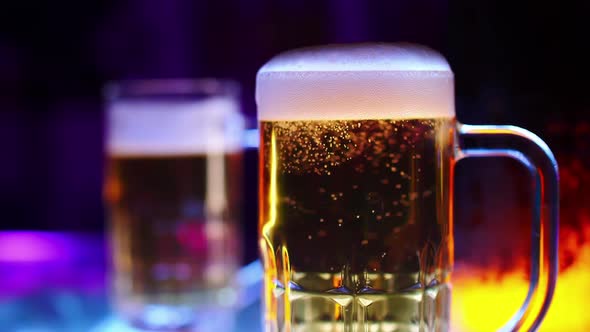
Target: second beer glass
173	192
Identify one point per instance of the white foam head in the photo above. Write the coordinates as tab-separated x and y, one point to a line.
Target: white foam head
159	127
362	81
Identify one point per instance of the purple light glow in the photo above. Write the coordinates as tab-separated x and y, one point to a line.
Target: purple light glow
31	247
45	261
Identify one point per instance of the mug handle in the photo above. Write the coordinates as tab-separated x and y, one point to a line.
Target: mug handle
532	152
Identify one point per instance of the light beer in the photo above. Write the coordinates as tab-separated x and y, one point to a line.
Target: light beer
355	180
173	192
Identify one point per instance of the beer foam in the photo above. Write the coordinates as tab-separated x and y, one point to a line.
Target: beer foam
158	127
354	82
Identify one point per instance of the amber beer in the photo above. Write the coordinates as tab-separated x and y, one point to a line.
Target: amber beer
356	156
173	192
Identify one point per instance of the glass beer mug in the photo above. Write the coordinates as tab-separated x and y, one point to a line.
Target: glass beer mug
358	146
173	192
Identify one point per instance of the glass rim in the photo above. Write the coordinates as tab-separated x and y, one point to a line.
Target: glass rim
170	88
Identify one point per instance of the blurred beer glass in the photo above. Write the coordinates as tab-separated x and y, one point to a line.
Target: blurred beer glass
173	193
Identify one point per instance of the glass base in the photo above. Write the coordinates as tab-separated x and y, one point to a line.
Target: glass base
177	318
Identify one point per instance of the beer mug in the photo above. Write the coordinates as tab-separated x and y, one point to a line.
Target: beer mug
358	147
173	191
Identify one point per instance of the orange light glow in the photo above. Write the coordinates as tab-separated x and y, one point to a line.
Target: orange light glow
484	299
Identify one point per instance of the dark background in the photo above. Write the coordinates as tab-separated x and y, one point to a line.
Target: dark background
517	62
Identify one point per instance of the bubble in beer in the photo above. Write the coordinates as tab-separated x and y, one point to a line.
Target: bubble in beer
309	144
